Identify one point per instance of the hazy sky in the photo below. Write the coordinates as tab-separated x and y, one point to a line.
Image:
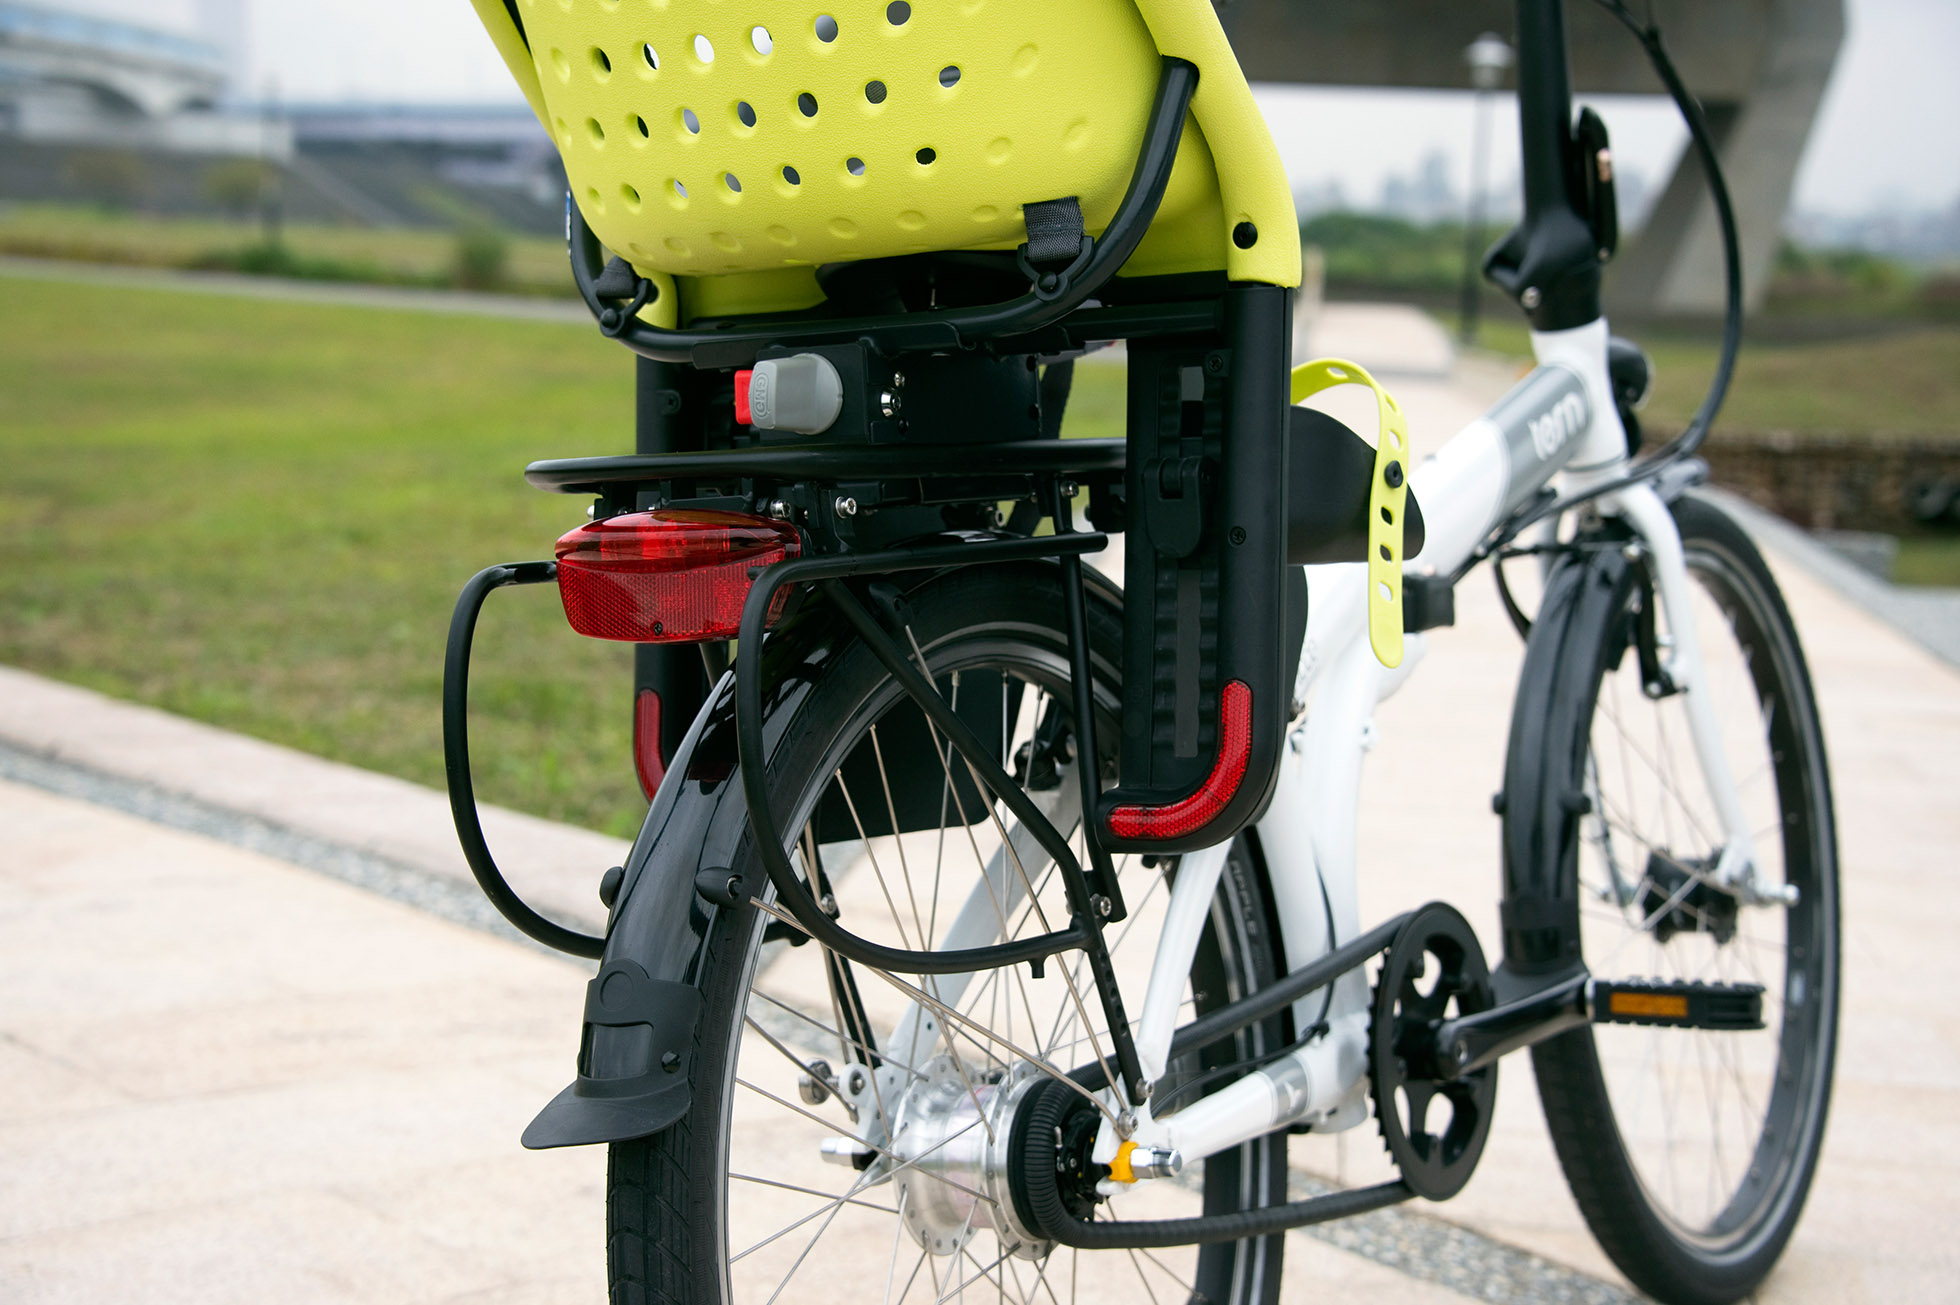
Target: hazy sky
1888	136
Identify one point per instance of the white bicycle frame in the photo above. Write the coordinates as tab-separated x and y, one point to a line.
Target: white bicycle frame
1556	426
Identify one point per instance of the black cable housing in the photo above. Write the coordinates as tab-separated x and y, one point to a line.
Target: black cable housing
1690	439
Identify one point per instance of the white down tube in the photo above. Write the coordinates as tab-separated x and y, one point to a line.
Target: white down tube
1308	833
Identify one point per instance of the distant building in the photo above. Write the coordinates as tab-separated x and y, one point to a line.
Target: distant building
432	165
72	79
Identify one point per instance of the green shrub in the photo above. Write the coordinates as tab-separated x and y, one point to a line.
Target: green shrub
481	259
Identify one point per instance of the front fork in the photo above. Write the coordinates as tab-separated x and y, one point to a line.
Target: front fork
1686	672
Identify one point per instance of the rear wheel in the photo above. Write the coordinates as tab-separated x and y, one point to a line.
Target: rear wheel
1690	1152
800	1050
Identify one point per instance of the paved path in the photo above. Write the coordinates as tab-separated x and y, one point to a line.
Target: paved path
224	1077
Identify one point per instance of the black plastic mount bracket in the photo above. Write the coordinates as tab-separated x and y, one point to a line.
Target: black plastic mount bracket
456	761
734	344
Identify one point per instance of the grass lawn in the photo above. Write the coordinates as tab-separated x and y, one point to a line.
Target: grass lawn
403	254
1906	383
258	515
1927	560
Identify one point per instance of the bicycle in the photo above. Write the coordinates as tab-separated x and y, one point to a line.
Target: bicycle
957	800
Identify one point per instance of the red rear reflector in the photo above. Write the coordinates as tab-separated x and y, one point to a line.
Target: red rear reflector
742	378
652	767
672	576
1187	815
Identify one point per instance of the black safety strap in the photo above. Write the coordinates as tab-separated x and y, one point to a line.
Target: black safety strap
1054	231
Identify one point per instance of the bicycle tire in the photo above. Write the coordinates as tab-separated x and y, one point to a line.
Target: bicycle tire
1576	734
671	1229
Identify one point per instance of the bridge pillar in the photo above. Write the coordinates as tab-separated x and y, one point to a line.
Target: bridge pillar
1673	268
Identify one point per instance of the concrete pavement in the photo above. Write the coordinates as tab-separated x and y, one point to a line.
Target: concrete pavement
223	1077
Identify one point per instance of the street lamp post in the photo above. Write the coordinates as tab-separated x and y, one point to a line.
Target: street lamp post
1489	58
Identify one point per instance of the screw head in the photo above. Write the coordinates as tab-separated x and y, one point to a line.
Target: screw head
1104	907
1531	297
846	506
670	1061
1238	534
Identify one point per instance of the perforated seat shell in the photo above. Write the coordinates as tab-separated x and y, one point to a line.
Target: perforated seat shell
739	143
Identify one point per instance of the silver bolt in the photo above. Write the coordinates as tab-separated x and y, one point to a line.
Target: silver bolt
1156	1162
1126	1123
1631	552
1531	298
898	380
779	510
888	403
1070	489
846	506
1104	907
828	905
814	1087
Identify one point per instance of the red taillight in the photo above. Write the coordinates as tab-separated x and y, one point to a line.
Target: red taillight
1192	813
671	576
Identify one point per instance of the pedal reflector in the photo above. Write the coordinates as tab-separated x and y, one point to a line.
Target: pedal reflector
1654	1005
1678	1005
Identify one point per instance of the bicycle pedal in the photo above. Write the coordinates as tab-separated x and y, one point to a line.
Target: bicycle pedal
1678	1005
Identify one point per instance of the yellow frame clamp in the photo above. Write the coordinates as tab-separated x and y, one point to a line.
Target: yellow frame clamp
1388	493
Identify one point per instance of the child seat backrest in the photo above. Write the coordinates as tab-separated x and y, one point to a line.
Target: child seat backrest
742	140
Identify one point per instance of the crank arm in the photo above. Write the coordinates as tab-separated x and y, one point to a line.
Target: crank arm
1470	1042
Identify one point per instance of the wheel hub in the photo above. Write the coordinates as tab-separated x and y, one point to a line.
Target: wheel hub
1679	898
952	1144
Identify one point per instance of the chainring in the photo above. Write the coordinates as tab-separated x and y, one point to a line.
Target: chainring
1435	1158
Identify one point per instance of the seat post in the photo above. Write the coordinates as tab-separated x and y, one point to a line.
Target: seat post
669	683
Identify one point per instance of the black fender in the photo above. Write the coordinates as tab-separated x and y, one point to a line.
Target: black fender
643	1006
1539	804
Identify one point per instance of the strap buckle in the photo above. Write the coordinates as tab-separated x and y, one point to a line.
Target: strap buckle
1057	248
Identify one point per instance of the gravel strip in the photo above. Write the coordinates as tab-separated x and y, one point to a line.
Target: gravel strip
1465	1262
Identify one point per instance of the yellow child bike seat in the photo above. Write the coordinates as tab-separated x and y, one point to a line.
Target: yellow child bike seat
726	151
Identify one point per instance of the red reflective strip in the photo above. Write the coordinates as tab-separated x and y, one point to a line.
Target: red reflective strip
652	767
742	396
1189	814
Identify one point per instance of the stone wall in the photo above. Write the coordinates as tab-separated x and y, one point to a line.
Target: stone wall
1893	484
